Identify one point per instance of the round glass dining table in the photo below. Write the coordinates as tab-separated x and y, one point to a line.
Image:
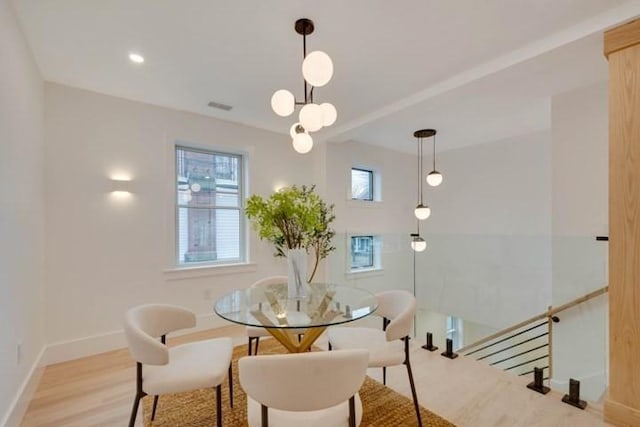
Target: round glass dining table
285	318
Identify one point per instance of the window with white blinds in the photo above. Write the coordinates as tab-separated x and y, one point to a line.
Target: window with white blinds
209	207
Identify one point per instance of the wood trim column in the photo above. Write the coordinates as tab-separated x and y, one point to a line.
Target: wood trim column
622	48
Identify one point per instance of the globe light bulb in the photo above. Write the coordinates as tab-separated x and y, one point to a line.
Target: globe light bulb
329	114
418	244
195	187
422	212
311	117
317	68
283	102
296	129
434	178
302	143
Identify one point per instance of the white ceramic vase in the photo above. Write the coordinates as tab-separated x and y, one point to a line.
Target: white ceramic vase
297	273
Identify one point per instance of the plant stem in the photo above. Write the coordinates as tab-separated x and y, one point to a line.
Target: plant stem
315	267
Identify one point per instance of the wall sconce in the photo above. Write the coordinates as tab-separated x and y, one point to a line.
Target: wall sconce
120	186
279	185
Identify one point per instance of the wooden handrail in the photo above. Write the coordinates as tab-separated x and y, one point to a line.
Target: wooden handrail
547	314
503	332
580	300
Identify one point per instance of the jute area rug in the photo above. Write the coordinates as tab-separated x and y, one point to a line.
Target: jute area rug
382	407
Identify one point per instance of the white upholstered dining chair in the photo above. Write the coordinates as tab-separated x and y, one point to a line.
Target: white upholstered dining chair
316	389
163	370
388	346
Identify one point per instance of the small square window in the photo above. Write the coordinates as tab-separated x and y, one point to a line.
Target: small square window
361	184
362	252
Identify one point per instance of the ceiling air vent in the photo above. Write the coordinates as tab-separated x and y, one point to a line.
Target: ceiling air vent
219	106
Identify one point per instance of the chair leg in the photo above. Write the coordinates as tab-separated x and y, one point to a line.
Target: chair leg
413	393
249	346
139	394
231	384
384	375
219	405
257	344
155	405
352	411
264	418
134	411
407	363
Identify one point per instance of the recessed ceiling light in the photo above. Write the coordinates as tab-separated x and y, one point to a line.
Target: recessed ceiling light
136	57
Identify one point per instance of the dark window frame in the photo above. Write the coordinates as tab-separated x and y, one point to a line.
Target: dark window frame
371	184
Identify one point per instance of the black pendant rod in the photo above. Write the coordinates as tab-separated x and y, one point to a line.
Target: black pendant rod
419	171
434	152
304	27
304	55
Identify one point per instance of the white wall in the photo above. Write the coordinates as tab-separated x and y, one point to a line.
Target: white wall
21	214
488	258
580	213
106	254
391	218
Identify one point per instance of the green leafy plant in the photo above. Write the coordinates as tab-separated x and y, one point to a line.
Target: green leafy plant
294	218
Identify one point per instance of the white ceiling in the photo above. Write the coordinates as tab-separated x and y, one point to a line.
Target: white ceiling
476	70
513	101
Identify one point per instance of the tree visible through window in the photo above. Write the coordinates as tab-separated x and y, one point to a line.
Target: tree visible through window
209	219
361	184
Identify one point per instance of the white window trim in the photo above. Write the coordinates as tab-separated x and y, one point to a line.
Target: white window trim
174	270
366	204
193	272
364	273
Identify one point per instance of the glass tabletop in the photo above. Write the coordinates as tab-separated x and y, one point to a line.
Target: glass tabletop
269	306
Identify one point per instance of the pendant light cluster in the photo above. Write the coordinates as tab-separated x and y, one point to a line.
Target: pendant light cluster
434	178
317	70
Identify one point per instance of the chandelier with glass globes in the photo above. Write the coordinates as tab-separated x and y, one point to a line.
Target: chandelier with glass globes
317	70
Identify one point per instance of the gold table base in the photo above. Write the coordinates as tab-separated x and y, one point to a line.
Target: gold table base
289	338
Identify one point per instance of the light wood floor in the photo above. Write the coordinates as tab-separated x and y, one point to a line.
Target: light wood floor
98	391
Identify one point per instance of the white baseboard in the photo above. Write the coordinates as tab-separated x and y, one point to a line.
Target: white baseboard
63	351
18	406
